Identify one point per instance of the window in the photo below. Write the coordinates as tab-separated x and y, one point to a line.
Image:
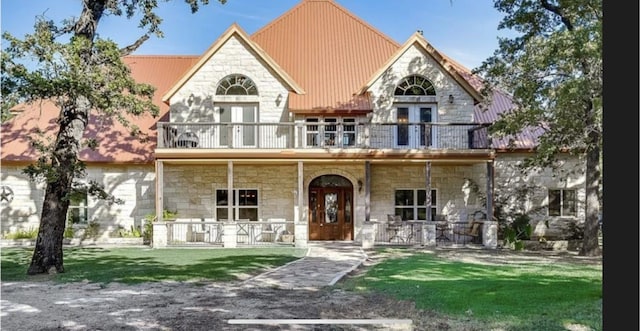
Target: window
411	204
415	85
78	211
244	204
236	85
330	131
562	202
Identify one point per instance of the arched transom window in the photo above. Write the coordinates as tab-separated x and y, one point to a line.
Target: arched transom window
415	85
236	85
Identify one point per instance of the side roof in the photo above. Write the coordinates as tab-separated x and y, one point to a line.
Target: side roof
116	143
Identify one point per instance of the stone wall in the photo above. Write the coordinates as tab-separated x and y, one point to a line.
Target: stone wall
234	57
508	181
134	184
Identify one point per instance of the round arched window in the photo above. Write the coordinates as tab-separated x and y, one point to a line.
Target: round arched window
236	84
415	85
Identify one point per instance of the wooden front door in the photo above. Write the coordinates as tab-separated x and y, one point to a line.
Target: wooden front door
330	213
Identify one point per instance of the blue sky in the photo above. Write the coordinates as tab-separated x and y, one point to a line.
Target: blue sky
465	30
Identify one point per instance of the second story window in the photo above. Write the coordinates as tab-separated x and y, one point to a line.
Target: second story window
415	85
330	132
236	84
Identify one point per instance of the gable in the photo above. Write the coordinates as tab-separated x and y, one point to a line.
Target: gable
232	50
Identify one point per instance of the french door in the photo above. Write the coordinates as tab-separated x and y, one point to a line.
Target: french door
242	135
414	129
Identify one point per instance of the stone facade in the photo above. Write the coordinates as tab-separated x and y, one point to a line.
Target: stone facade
135	185
234	57
528	192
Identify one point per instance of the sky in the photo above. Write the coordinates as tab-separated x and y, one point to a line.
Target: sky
465	30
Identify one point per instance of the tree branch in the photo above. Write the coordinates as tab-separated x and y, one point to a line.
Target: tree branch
558	11
131	48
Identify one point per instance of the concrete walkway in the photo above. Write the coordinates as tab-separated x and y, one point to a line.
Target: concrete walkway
326	263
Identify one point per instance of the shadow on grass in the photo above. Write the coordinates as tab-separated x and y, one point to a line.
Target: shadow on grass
130	266
521	297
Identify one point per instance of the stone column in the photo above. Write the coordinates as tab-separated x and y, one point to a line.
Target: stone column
429	234
229	235
301	234
490	234
160	234
368	235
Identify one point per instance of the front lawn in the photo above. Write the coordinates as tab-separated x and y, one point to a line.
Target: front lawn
522	296
138	265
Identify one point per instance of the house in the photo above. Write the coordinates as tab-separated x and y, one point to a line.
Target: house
322	129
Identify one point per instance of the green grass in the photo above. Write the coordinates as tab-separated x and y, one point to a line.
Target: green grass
137	265
514	297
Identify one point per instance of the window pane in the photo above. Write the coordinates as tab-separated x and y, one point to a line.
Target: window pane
404	198
554	202
568	203
222	197
249	213
405	213
248	197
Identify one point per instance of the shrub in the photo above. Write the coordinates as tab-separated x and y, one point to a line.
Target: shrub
31	233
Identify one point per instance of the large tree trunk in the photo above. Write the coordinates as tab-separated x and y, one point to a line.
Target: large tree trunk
47	255
74	116
590	244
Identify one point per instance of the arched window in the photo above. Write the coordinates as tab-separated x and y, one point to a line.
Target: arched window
415	85
236	84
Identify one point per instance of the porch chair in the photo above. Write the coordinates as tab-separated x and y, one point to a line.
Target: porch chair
471	229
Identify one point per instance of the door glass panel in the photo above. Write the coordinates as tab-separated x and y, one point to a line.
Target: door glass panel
313	205
249	130
425	129
331	207
347	209
402	134
225	117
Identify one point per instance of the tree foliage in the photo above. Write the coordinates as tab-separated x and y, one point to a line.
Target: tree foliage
72	66
553	70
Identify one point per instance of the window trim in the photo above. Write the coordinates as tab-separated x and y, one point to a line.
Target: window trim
82	209
236	206
434	206
562	202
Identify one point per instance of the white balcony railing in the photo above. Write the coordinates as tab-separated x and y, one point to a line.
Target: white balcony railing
323	135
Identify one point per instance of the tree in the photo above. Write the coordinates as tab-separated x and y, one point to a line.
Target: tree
553	68
83	75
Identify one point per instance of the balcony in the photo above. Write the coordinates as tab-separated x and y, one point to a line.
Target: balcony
327	135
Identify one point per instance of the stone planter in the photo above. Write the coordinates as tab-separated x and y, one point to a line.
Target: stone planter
552	245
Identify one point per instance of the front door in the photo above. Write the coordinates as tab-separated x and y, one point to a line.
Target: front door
331	213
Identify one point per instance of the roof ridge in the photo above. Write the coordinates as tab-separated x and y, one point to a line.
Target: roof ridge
335	4
162	55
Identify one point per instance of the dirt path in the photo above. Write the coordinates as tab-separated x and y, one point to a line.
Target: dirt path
44	305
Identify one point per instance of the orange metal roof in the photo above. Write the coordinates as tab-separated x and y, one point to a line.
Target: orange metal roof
317	46
116	144
328	51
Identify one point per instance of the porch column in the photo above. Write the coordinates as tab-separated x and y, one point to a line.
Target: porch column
159	190
301	225
490	227
230	191
427	171
367	191
490	180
